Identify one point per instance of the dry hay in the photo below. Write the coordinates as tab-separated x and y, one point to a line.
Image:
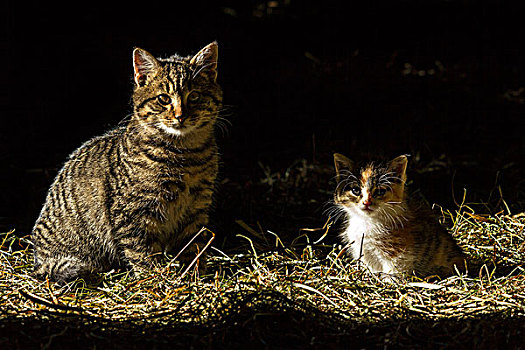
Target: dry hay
278	293
314	282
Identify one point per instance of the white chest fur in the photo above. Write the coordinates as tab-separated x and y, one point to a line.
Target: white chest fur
363	235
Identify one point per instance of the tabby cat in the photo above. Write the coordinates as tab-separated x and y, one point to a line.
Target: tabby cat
388	230
144	188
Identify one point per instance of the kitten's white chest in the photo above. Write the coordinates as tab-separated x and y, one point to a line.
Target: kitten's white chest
363	235
359	225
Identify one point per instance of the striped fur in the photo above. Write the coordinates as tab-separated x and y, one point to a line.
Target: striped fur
389	231
141	189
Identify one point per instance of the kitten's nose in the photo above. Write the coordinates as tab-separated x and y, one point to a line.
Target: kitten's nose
367	202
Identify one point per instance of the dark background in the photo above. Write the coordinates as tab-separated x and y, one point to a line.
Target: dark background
441	80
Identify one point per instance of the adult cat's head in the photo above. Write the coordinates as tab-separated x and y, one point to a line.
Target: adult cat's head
177	96
370	189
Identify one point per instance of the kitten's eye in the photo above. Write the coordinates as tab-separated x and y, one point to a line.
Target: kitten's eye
379	192
164	99
194	97
356	191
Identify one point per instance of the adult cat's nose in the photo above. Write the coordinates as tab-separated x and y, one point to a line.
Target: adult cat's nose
180	119
176	110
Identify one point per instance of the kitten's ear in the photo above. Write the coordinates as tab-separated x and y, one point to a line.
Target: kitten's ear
342	163
399	167
144	65
205	61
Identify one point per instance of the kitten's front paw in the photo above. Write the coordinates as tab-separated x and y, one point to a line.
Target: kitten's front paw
390	278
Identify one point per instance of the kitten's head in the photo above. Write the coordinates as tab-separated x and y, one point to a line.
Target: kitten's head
177	95
372	188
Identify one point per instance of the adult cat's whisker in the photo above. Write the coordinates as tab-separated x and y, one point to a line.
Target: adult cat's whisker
125	120
226	121
223	128
201	69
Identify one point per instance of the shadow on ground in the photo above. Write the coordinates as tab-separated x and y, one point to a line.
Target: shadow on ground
272	323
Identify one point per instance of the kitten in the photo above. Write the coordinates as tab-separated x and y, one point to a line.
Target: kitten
386	229
141	189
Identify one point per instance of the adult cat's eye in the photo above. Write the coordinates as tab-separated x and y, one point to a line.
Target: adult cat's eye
164	99
379	192
356	191
194	97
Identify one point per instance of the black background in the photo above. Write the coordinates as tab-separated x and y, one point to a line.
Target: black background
302	79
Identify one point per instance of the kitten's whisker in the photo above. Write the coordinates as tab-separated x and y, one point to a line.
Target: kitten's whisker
335	212
388	186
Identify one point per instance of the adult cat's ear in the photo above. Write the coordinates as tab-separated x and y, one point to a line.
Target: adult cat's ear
399	167
205	61
144	65
342	163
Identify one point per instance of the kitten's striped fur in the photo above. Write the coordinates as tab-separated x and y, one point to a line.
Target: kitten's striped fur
387	229
143	188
